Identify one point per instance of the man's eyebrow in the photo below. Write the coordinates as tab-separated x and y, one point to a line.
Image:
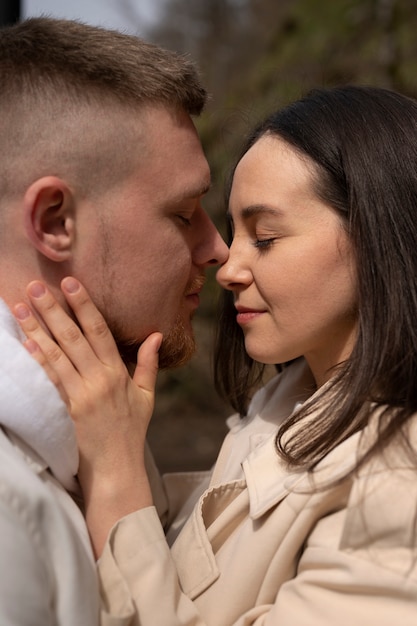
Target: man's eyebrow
196	192
190	193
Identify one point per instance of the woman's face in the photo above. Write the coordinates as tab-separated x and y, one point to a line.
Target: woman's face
291	266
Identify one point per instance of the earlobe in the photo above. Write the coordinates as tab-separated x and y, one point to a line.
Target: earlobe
50	217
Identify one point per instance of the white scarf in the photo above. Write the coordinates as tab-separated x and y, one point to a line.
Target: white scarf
30	405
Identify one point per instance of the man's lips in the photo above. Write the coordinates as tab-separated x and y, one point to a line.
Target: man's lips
194	298
193	293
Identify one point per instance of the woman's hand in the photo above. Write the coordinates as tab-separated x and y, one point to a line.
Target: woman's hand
111	411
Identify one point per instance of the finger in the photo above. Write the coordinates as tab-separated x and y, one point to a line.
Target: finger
147	364
45	350
33	330
77	347
35	351
92	322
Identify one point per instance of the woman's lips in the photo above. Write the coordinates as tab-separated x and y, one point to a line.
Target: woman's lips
246	315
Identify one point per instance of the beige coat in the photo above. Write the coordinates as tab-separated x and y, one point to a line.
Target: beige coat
261	547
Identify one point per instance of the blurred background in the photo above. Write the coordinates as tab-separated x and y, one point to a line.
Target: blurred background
254	56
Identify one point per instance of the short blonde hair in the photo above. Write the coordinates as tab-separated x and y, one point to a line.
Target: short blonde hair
44	54
69	92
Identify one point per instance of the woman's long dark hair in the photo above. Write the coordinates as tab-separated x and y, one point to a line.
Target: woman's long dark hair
363	141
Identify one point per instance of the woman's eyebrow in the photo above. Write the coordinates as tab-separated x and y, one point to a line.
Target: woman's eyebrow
257	209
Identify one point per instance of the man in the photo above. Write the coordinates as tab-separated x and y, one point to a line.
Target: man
102	175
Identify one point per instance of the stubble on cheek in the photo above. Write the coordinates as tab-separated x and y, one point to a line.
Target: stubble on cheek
178	346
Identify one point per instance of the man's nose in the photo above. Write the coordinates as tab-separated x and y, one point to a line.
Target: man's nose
211	249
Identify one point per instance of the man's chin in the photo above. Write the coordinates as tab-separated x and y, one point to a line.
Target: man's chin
177	348
176	352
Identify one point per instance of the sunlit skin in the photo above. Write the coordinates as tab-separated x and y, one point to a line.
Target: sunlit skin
290	266
154	239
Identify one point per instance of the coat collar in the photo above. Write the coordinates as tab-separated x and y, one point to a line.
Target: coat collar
266	482
270	406
31	407
269	481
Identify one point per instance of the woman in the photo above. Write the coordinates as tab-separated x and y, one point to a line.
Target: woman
361	147
310	512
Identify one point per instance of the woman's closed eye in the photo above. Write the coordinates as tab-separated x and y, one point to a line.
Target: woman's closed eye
264	244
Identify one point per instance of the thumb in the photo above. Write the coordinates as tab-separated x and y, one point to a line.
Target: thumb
147	362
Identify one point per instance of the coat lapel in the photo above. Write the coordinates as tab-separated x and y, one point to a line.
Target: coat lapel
267	479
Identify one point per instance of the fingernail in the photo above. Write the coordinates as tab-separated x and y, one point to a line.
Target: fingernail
21	311
37	289
159	342
31	346
71	285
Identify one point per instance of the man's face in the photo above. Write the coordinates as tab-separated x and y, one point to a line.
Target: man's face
144	259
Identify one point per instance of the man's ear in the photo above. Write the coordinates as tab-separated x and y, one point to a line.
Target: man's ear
50	217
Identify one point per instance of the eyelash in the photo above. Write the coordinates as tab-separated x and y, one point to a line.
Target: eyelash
264	244
184	220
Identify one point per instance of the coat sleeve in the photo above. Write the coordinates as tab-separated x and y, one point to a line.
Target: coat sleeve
139	582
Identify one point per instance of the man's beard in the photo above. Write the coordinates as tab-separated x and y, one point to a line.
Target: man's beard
177	347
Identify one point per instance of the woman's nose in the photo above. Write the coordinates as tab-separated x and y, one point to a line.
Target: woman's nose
234	273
